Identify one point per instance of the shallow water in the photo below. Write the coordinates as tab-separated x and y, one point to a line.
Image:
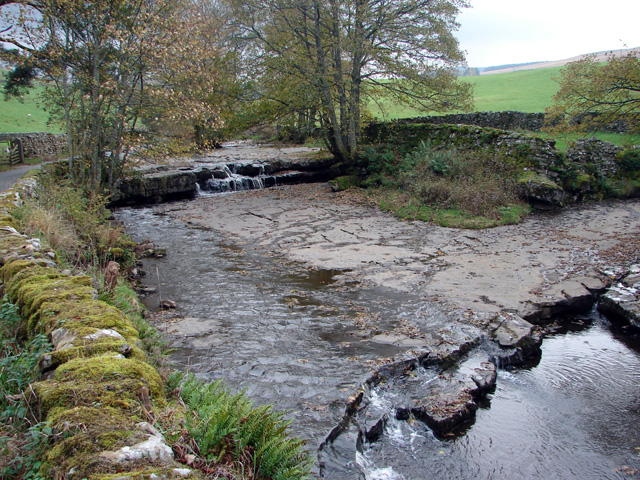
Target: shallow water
296	338
576	414
303	340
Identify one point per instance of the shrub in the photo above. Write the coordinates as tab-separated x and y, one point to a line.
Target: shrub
478	184
629	162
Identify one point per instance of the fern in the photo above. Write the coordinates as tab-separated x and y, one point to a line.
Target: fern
217	420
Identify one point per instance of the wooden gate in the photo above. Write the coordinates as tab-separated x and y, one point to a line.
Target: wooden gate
11	151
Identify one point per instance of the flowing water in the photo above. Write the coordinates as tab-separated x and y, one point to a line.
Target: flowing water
573	415
304	340
300	339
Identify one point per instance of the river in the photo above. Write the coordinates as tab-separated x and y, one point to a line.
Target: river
304	338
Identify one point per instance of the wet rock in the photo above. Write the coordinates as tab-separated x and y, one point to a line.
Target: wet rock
570	296
399	340
451	401
149	249
337	454
154	185
146	290
622	301
512	331
485	377
444	412
168	304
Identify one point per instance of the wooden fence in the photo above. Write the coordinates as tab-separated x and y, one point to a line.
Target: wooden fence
11	152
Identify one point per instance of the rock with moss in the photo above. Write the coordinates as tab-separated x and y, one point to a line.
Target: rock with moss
540	191
105	443
595	157
345	183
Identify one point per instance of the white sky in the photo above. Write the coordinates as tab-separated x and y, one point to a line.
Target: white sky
499	32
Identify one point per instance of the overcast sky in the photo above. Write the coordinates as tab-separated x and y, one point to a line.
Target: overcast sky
499	32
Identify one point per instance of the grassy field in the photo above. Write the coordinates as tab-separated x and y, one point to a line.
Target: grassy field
526	91
27	115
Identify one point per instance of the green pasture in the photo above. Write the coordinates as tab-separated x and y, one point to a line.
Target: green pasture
525	91
24	115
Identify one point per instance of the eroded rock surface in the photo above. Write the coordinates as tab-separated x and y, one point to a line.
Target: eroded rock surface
622	300
497	286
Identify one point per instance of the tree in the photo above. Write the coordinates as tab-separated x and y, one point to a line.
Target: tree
107	63
593	94
330	58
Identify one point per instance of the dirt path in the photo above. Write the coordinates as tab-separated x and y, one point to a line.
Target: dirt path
505	269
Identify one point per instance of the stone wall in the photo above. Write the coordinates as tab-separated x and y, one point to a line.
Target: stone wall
590	169
39	144
532	152
98	390
508	120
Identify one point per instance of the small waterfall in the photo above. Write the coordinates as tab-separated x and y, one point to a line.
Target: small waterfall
371	472
236	183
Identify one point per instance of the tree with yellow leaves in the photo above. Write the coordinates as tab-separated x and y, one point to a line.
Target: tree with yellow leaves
108	63
595	94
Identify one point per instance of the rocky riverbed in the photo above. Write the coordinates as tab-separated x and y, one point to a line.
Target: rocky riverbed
533	269
488	294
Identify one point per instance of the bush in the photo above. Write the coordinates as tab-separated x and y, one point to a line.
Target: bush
477	184
629	162
476	190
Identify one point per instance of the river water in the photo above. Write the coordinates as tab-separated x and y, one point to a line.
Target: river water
304	340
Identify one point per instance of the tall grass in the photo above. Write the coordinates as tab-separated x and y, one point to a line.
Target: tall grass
23	438
447	186
74	224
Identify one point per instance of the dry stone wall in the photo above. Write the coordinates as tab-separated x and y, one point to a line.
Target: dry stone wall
97	388
590	169
40	144
508	120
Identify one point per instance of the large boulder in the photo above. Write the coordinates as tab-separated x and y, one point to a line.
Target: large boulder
540	191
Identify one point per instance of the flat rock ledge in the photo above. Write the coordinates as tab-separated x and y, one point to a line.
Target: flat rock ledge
161	183
96	386
622	301
442	387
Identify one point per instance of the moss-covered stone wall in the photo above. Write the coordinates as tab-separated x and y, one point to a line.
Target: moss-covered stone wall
98	391
590	170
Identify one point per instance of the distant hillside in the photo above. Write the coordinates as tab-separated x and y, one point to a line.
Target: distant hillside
556	63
